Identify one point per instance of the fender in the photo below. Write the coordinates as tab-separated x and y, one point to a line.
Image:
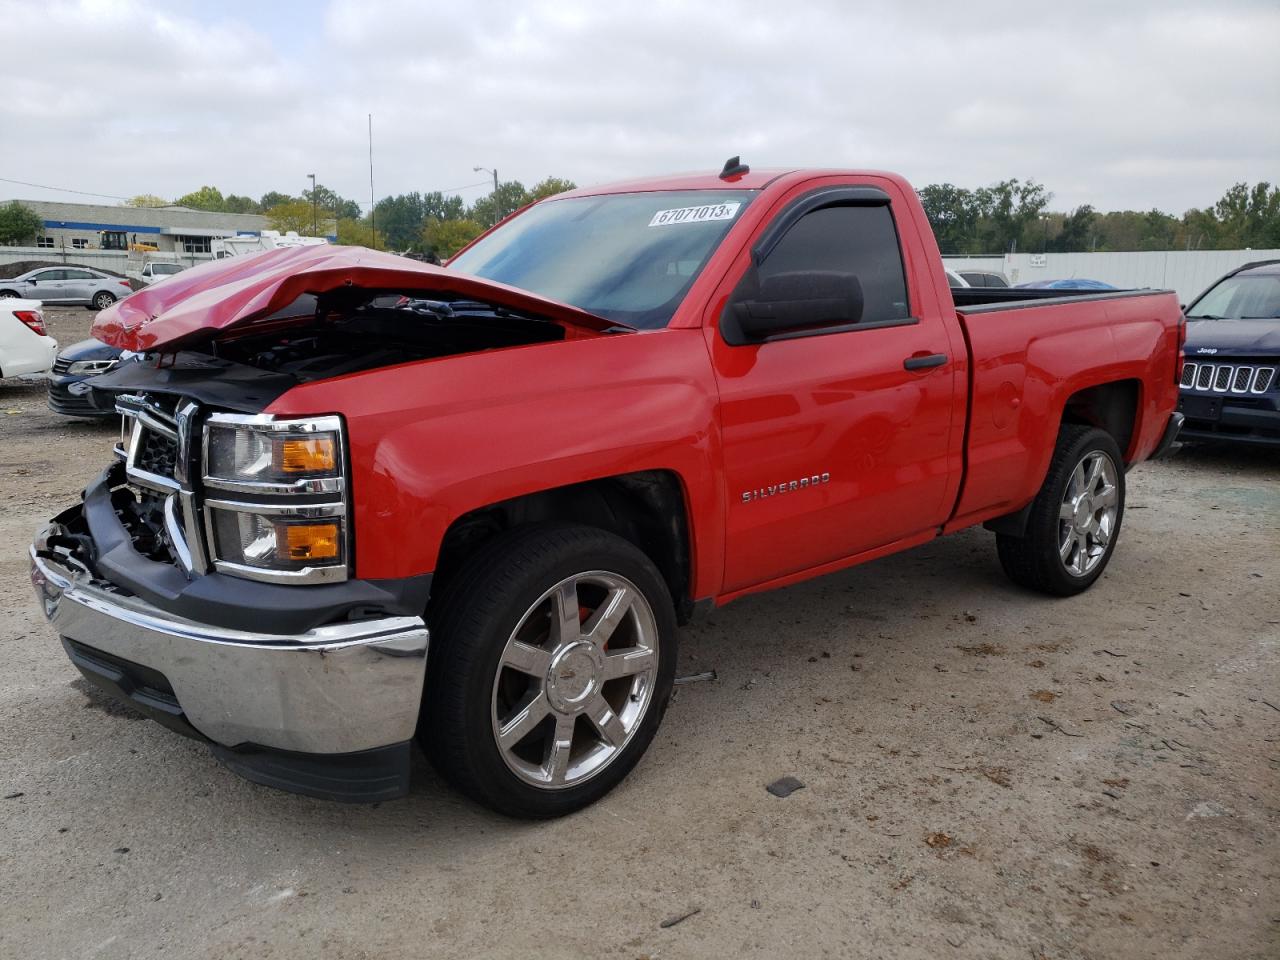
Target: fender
426	447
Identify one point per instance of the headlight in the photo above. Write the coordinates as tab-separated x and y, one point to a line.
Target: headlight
255	536
81	367
237	454
253	467
274	456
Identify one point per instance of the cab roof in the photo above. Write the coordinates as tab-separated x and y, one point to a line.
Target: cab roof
711	180
752	180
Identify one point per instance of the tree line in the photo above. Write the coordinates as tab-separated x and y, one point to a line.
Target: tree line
1013	215
414	222
1010	215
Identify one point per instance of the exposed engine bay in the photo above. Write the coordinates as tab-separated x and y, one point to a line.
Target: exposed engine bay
317	338
346	334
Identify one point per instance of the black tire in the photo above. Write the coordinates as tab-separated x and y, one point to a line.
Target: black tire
8	294
1034	560
483	604
102	300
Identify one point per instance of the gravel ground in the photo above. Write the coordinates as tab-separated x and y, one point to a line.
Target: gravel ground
987	773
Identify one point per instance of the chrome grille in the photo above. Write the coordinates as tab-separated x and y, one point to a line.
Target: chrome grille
61	365
156	446
1228	377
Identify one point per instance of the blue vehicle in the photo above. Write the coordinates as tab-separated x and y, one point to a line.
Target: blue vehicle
70	392
1069	283
1231	380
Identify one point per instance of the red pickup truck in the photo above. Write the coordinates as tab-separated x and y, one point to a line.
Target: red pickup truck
621	407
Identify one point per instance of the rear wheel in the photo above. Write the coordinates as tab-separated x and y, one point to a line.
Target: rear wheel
1075	518
553	655
102	300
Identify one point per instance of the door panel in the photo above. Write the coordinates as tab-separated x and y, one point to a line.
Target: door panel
51	286
831	446
77	285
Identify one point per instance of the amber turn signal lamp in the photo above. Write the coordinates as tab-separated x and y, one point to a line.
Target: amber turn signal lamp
307	455
311	541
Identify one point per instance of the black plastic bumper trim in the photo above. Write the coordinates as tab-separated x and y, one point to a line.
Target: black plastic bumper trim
133	685
1171	431
368	776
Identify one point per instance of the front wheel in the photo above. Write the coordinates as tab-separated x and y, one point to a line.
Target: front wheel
1075	518
553	656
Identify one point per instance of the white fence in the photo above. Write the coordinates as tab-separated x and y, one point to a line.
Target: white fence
113	260
1189	272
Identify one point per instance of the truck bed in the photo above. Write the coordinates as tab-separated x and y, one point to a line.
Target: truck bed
1025	374
975	299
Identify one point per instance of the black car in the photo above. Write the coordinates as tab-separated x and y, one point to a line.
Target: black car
983	278
1231	380
69	390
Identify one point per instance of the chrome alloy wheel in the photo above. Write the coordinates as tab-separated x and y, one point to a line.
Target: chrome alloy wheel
575	679
1087	517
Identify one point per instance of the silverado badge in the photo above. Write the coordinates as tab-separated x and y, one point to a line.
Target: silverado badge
787	486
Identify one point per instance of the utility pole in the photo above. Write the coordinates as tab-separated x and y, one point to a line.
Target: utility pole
315	231
373	208
497	210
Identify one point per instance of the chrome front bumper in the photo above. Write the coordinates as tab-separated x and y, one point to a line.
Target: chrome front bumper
335	689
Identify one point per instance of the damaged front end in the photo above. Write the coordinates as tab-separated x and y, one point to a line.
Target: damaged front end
208	576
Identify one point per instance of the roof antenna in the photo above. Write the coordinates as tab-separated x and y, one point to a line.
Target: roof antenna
734	168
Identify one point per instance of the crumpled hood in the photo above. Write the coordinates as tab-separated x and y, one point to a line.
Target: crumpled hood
237	290
1233	338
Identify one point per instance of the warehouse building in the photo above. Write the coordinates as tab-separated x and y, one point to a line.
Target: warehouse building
88	226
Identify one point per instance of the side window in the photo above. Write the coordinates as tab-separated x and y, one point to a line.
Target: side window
50	275
80	275
861	240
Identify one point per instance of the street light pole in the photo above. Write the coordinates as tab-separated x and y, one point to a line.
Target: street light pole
314	227
497	211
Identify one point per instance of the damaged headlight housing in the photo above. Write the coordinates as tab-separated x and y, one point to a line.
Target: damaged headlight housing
95	367
275	506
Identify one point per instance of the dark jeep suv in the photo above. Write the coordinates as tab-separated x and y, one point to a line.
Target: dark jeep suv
1231	381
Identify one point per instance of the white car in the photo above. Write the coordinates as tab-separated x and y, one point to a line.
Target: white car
25	345
155	272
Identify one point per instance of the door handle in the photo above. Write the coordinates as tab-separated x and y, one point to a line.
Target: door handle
924	362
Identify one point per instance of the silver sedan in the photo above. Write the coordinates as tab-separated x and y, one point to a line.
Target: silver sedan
67	285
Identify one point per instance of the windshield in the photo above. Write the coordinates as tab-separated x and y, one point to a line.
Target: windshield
1242	297
627	257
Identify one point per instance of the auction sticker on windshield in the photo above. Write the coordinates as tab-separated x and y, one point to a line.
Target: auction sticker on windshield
702	214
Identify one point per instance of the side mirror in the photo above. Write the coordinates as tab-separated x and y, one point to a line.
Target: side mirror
801	300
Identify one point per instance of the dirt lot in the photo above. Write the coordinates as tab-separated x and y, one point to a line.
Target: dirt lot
987	773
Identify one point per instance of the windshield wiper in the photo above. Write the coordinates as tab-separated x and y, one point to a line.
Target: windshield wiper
1204	316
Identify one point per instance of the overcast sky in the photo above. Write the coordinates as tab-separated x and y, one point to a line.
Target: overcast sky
1121	105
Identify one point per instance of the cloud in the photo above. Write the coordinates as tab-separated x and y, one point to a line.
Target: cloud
1119	105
